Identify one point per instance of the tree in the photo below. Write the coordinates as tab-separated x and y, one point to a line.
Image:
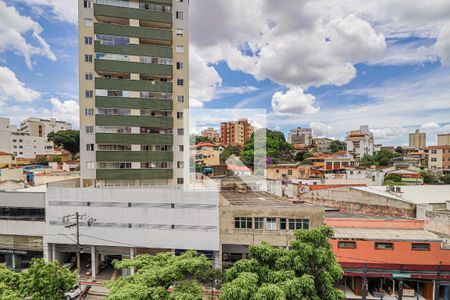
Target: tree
306	271
228	151
67	139
201	139
42	281
156	274
398	150
336	146
381	158
429	178
43	161
445	179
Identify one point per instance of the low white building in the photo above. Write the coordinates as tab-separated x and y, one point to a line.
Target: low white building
42	127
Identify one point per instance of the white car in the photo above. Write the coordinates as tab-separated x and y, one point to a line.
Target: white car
74	292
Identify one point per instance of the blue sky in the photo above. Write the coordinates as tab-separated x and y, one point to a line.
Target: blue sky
331	65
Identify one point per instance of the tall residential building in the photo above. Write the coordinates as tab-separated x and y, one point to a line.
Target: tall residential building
134	88
360	142
322	144
211	134
300	136
443	139
418	139
236	133
42	127
439	157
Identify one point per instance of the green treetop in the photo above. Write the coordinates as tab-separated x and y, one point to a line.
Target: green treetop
67	139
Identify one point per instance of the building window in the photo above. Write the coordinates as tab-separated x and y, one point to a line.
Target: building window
89	94
181	148
180	180
420	246
180	131
180	49
88	22
180	82
259	223
180	65
88	40
89	129
289	172
88	111
89	147
433	151
179	15
295	224
180	164
347	245
87	3
433	159
271	224
88	76
88	58
283	224
180	31
243	223
180	98
179	115
90	165
384	246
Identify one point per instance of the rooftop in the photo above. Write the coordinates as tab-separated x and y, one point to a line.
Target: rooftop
416	194
382	234
258	198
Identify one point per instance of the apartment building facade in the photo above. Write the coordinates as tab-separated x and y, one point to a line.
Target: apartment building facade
300	136
418	139
42	127
235	133
211	134
360	142
443	139
439	157
134	88
323	145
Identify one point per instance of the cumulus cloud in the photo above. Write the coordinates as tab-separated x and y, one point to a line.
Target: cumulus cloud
13	31
387	133
67	110
430	125
61	10
294	101
443	45
12	88
321	129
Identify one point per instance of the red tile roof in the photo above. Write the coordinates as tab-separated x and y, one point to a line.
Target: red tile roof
4	153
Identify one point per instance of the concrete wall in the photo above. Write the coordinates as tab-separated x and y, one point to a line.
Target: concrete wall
11	174
22	199
438	222
157	218
357	201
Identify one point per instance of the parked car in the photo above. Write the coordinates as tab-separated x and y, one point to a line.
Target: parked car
74	292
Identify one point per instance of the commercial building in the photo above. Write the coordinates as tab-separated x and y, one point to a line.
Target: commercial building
134	89
211	134
250	217
418	139
383	257
439	157
300	135
322	145
235	133
360	142
443	139
42	127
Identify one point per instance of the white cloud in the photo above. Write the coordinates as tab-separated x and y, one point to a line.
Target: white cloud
67	110
61	10
411	53
430	125
443	45
236	90
12	88
321	129
388	133
13	30
294	101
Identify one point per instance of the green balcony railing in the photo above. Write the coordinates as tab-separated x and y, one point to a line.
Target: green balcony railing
133	85
136	121
136	139
132	13
132	67
141	50
134	156
120	174
131	31
135	103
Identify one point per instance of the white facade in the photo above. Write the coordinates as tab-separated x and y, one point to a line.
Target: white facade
42	127
360	142
300	136
5	135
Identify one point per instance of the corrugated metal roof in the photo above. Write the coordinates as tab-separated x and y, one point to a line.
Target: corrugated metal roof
382	234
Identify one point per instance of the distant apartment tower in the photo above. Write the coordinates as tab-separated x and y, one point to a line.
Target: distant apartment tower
439	157
42	127
418	139
134	88
235	133
360	142
443	139
211	134
322	144
300	136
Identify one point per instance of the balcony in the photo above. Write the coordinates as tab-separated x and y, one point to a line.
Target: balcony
118	174
134	156
130	31
136	139
133	85
133	67
132	13
134	121
135	103
140	50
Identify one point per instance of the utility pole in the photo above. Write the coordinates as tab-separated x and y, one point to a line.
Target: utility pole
76	217
364	283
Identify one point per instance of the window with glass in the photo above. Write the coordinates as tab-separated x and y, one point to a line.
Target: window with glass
155	7
22	214
88	58
295	224
114	165
346	245
243	223
384	246
180	98
283	224
259	223
89	147
114	111
179	49
179	31
88	111
179	115
88	40
179	15
271	223
154	113
420	247
112	56
113	129
88	22
180	180
101	147
88	76
89	129
112	40
89	94
122	3
180	82
180	131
